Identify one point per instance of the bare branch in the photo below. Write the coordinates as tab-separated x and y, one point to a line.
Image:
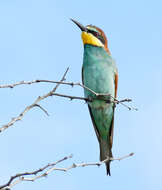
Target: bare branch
12	178
71	84
29	83
109	95
49	168
89	99
123	157
36	81
34	104
72	97
18	83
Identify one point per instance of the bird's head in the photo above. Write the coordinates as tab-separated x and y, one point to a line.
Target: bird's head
93	35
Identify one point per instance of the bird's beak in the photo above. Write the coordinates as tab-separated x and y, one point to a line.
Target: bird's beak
79	25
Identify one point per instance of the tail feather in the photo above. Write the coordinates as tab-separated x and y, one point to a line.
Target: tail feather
108	168
105	152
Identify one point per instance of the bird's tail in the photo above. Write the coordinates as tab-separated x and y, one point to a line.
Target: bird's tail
105	152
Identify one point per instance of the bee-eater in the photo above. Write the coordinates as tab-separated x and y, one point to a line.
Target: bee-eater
99	73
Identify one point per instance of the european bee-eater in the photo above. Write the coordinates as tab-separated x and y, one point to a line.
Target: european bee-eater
99	73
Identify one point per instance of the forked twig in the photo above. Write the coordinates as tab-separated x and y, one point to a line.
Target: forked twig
34	104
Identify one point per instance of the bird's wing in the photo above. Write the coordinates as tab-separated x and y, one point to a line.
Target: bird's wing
90	111
112	123
94	124
116	83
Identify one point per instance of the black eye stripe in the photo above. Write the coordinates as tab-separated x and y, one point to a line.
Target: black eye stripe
93	32
97	35
101	39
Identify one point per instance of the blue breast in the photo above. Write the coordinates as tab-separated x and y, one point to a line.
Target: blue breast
98	71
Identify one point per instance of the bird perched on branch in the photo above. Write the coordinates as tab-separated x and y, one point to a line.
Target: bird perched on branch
99	73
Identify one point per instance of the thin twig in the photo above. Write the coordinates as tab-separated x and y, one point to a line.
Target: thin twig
45	111
109	95
47	169
72	97
123	157
89	99
34	104
37	81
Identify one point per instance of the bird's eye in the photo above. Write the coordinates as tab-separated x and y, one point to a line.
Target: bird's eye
97	35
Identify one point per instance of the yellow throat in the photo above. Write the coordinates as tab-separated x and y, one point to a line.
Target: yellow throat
88	38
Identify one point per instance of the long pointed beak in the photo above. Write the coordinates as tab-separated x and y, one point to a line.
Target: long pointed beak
83	28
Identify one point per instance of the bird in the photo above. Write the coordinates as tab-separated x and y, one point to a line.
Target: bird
99	74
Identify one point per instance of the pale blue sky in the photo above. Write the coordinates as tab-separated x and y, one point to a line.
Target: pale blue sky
38	41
